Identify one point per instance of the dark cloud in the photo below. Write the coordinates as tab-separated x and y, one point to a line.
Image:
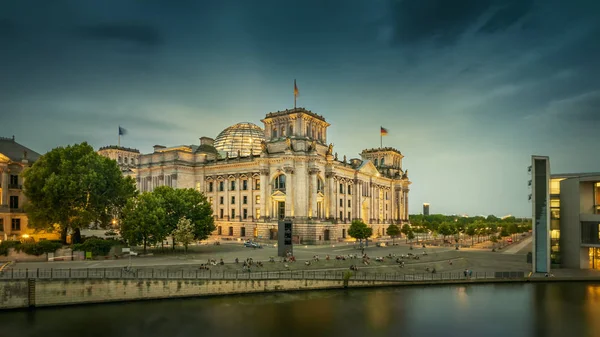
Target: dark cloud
141	34
445	21
583	108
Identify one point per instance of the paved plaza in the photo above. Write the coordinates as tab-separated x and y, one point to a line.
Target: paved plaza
443	259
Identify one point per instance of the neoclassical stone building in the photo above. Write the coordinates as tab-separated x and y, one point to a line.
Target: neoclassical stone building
253	177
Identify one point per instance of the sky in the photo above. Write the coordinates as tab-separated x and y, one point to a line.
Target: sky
468	89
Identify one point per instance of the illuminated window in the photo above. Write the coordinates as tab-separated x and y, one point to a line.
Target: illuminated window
257	198
210	200
257	184
257	213
320	185
555	186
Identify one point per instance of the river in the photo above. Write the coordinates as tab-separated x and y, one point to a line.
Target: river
516	310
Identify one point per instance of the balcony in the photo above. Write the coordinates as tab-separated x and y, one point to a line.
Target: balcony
15	186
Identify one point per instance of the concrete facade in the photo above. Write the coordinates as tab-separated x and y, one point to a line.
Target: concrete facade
296	176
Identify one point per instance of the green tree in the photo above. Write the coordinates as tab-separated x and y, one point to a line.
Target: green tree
359	230
410	235
143	220
184	233
405	229
393	231
73	187
471	231
445	229
186	203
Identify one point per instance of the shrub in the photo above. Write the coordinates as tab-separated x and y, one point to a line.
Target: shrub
97	246
5	245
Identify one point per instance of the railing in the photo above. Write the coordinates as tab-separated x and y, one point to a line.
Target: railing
152	273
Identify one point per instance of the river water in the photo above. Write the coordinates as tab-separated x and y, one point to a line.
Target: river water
528	309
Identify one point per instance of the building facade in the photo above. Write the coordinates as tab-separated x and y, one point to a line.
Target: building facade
425	209
14	159
125	157
254	177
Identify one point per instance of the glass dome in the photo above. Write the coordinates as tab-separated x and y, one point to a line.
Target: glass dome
242	137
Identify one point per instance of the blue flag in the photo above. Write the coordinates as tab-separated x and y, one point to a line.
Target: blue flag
122	131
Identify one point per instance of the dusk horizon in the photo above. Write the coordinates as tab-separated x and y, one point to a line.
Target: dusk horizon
468	91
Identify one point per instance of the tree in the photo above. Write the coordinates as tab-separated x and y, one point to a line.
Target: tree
410	235
186	203
359	230
405	229
73	187
184	233
393	231
445	230
471	231
143	220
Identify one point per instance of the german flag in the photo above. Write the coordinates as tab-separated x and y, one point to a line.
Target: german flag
296	92
384	131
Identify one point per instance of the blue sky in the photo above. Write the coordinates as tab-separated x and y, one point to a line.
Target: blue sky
468	89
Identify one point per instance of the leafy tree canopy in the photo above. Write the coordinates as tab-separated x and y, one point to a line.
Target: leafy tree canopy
143	220
73	187
359	230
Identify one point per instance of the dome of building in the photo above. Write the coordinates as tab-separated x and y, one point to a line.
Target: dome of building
242	137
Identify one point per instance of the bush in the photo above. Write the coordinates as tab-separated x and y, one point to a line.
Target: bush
38	248
97	246
5	245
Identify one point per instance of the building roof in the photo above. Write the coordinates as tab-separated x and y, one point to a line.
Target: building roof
295	110
15	151
381	149
115	147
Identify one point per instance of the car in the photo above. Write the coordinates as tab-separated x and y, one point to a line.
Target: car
509	240
250	244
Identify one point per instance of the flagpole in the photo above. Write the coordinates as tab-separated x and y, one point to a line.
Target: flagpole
119	143
295	95
380	138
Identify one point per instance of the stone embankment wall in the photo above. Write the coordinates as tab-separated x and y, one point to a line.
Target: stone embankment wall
39	293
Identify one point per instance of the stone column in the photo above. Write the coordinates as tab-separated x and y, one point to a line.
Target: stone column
406	206
336	184
239	205
5	180
289	191
264	189
330	195
313	171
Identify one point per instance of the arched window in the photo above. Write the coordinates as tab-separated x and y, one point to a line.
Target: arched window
282	131
125	160
279	182
120	160
307	131
382	162
320	185
274	132
291	131
375	162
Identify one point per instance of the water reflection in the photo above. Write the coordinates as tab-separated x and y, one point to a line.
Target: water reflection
565	309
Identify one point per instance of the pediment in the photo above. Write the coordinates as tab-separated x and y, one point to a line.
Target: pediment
368	168
278	194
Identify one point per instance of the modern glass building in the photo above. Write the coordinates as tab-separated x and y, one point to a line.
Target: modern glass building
540	178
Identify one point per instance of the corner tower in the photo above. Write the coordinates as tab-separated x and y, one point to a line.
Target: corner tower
297	123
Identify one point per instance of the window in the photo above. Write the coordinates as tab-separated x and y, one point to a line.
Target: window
342	188
257	199
245	200
221	186
220	216
245	213
341	202
257	184
341	215
282	131
14	201
376	162
1	225
233	213
274	132
555	208
382	162
320	185
14	179
245	185
343	233
221	200
349	203
219	230
230	231
232	186
243	231
210	186
257	213
16	225
291	130
233	199
350	189
125	160
279	183
120	160
349	216
210	200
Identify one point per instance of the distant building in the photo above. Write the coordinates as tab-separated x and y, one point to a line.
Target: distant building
425	209
254	177
14	158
